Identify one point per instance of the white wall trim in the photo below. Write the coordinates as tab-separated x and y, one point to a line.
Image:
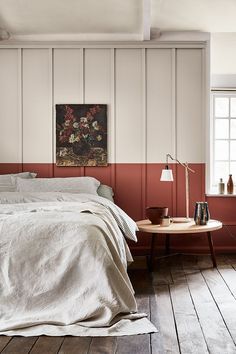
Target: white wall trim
51	99
146	20
207	115
20	105
144	94
112	109
110	38
97	45
173	94
82	70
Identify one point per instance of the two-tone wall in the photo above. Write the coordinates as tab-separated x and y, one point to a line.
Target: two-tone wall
156	96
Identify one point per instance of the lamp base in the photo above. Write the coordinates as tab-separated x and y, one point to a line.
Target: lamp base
180	219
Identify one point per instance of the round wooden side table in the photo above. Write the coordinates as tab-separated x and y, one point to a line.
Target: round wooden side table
178	228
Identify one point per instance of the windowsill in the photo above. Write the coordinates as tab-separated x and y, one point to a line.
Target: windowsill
221	195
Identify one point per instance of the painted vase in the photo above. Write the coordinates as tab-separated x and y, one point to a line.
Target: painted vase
230	185
81	148
201	213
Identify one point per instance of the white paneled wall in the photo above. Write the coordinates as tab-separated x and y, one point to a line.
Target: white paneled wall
129	83
37	105
10	106
190	137
67	76
98	86
155	100
67	81
160	103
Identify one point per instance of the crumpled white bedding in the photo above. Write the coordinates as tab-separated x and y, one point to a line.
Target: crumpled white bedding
63	267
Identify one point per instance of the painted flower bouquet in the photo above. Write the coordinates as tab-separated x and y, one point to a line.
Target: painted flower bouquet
82	129
83	132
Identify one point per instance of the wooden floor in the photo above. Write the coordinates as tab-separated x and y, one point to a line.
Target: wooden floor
192	305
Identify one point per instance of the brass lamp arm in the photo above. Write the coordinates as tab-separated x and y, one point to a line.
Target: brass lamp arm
185	165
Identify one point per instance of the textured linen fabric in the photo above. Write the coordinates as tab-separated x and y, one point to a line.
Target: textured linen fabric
63	270
68	184
8	182
126	224
106	192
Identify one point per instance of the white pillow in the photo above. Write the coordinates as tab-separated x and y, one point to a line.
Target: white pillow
106	192
8	182
87	185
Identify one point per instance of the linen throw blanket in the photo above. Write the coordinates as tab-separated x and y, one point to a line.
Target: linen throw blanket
63	267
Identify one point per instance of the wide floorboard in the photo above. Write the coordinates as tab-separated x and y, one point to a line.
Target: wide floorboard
192	304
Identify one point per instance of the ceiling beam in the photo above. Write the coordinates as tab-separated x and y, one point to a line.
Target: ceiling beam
146	33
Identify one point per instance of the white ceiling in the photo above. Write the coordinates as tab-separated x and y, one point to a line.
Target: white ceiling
201	15
112	19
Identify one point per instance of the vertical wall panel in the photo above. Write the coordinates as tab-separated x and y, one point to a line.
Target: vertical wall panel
68	84
97	77
160	79
68	76
10	127
37	110
129	106
190	137
97	85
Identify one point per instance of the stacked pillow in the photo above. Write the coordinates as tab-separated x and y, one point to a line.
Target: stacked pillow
8	182
106	192
88	185
26	182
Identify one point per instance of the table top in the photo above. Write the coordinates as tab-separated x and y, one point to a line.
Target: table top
178	228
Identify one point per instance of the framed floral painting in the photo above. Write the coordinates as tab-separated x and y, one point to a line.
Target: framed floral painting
81	135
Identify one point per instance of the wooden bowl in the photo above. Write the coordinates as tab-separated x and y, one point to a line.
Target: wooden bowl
154	214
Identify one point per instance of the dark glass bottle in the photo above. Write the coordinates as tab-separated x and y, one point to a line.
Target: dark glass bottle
230	185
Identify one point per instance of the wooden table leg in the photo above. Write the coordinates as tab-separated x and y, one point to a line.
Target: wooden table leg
152	256
213	257
167	244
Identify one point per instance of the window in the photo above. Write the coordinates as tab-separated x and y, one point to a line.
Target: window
223	149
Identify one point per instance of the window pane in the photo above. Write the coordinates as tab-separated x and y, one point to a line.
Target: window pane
233	107
222	129
221	171
233	171
233	129
221	106
221	150
233	150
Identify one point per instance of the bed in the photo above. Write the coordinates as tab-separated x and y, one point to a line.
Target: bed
63	264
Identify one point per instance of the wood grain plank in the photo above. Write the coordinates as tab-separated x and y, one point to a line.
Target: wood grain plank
47	345
215	331
156	338
231	259
140	343
228	273
75	345
162	274
4	340
166	319
141	281
224	299
20	345
103	345
190	336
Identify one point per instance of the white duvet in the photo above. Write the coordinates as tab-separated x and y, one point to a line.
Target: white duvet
63	260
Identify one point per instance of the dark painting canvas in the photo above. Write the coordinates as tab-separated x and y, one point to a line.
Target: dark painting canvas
81	135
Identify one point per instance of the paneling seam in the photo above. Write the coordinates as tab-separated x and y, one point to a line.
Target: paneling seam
113	116
82	169
20	103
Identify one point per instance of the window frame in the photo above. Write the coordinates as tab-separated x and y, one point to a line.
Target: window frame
213	188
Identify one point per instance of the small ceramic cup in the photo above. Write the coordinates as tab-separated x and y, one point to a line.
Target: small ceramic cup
166	221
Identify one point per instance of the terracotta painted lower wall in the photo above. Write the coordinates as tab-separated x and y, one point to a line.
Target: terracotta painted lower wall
137	186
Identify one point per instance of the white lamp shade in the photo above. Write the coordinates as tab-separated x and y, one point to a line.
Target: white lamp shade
167	175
